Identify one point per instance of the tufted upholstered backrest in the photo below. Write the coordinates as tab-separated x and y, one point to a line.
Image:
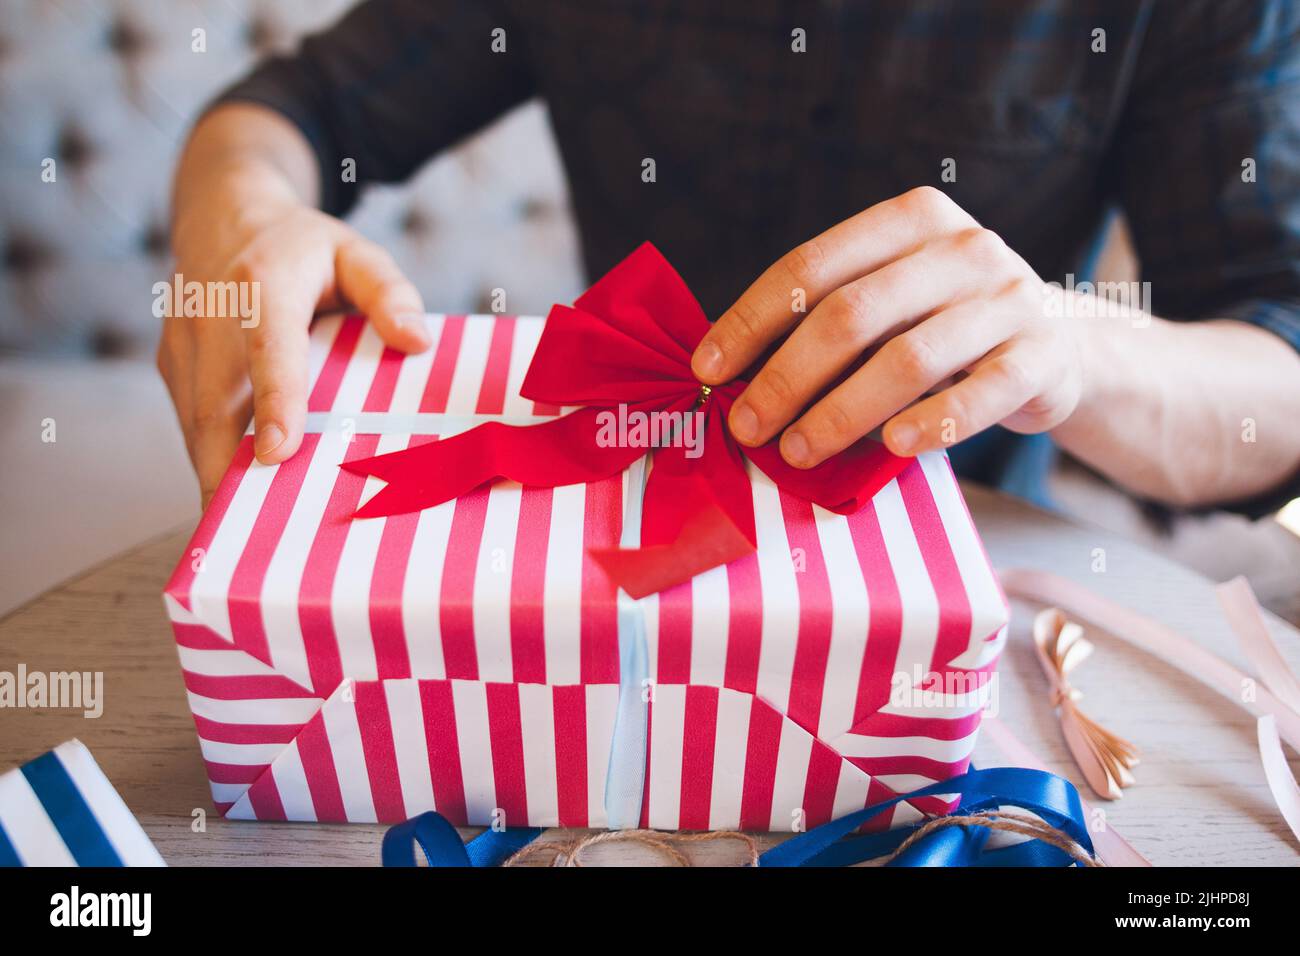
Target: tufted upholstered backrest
108	90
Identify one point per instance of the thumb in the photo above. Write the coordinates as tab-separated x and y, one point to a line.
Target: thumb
370	279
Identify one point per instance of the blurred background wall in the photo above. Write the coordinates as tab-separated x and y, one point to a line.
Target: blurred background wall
107	89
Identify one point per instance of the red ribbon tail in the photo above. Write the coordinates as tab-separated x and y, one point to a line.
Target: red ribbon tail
843	483
707	539
559	452
698	514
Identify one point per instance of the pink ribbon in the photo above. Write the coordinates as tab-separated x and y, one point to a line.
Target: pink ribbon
1276	705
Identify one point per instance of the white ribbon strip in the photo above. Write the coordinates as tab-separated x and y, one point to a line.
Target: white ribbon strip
1164	642
1247	620
1276	704
625	777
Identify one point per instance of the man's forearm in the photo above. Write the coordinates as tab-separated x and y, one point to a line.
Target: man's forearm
1188	414
243	150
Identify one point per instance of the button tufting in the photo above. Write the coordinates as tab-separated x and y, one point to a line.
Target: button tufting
485	301
74	147
126	39
154	242
26	254
263	35
108	341
534	208
417	222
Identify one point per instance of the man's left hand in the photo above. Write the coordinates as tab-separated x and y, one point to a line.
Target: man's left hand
943	306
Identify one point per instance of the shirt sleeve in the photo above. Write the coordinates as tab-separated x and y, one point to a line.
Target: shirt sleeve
1207	152
391	84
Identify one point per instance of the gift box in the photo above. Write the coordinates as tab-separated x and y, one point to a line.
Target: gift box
60	810
475	658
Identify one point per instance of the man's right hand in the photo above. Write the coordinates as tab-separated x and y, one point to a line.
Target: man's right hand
242	223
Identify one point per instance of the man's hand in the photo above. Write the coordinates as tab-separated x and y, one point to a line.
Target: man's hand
940	304
245	225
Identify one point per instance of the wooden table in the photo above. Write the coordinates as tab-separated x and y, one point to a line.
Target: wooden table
1200	799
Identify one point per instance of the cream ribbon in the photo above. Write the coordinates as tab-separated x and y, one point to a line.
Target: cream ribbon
1247	620
1105	759
1276	705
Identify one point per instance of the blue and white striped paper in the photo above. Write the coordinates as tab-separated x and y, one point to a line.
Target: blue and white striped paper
60	810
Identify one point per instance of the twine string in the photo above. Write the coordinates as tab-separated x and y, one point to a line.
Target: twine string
1007	822
569	852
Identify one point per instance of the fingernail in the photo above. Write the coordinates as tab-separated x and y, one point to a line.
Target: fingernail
413	322
904	436
794	448
269	438
744	423
708	361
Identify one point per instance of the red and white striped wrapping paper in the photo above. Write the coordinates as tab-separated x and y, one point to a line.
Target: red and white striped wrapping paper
465	658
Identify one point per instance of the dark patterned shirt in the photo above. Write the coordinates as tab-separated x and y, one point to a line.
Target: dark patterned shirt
1185	114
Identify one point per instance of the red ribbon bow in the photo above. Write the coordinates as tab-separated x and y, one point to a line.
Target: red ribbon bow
628	342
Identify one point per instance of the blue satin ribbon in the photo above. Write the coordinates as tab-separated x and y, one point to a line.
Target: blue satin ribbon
442	846
1044	794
